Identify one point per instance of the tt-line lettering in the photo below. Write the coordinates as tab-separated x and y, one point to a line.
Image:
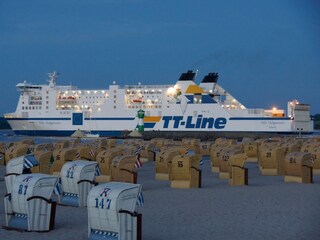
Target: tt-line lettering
194	122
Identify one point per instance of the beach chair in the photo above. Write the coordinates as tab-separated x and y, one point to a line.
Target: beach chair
44	147
298	167
16	150
163	163
185	171
4	146
251	150
315	158
86	152
112	211
61	156
147	152
238	174
17	166
29	206
224	161
77	178
123	169
192	144
45	160
205	148
104	160
271	160
60	145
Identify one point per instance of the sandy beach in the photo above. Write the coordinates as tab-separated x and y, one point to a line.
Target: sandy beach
267	208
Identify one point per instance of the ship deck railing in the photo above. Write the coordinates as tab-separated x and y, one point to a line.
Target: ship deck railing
147	86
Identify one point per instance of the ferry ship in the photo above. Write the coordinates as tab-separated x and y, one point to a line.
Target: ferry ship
186	108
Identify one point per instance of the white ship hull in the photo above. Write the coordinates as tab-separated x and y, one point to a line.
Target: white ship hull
51	110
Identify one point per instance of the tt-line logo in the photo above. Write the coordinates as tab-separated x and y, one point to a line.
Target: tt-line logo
198	122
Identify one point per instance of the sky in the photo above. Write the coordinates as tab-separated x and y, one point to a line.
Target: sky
266	52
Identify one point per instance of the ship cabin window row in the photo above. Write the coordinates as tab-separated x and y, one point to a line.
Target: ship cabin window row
97	97
76	107
35	100
146	91
64	112
31	108
145	106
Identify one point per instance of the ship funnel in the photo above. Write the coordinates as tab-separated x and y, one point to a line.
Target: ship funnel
188	76
210	78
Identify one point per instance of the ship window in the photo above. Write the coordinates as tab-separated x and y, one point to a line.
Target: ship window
22	107
47	107
47	102
22	102
32	108
114	101
115	96
40	108
29	108
197	98
47	97
114	106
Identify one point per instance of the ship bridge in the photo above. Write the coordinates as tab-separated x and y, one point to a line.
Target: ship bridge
22	87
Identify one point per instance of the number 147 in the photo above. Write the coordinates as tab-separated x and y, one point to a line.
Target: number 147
103	203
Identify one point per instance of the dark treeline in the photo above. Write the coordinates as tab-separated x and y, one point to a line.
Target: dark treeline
4	124
316	119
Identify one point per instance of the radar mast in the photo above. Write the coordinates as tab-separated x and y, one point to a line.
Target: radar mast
52	78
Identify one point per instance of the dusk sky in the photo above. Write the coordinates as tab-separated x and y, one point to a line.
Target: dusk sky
266	52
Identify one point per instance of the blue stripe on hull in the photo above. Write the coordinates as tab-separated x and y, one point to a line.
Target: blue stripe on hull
65	133
111	119
40	119
149	125
66	119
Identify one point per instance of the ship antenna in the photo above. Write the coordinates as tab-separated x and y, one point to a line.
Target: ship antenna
52	78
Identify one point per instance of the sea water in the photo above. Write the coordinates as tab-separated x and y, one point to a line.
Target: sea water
9	136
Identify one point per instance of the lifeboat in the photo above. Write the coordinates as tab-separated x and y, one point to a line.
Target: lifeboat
138	100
